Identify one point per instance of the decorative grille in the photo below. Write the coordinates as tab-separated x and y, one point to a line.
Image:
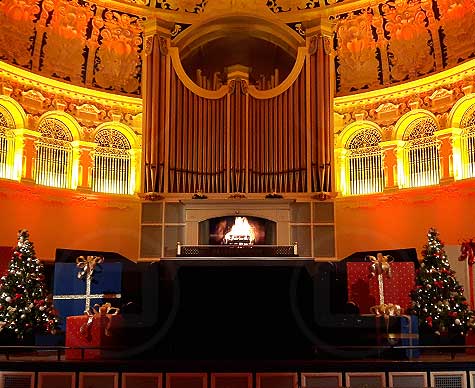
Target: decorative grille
6	146
53	163
422	153
365	163
423	160
449	381
53	128
112	165
6	152
468	142
468	151
53	154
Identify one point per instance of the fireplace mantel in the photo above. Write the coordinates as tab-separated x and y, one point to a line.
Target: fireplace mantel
277	210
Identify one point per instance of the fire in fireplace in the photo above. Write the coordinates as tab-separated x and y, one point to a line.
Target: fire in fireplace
242	230
241	233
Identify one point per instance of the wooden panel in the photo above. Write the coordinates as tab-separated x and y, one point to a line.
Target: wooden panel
186	380
407	379
98	380
276	380
321	380
56	380
366	380
231	380
141	380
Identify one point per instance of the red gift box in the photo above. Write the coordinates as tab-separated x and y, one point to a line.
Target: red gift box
97	333
363	289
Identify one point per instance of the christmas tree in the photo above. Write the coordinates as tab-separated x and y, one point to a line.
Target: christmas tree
438	297
25	306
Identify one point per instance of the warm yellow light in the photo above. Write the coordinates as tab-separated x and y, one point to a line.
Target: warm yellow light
241	231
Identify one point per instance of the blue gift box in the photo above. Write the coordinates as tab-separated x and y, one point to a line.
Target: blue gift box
410	334
72	296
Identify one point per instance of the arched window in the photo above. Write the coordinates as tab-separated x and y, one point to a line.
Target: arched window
6	144
421	153
54	154
467	124
365	162
111	171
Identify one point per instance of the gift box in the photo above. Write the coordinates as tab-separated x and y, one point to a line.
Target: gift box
73	296
364	289
91	337
402	330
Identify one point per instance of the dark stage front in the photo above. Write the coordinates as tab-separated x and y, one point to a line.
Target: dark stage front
235	308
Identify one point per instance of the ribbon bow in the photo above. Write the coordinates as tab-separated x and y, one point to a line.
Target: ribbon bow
467	251
386	309
87	265
102	312
380	265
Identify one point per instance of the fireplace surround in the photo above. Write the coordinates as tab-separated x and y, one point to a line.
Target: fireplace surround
198	211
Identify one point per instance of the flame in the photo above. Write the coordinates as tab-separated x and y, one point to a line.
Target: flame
241	232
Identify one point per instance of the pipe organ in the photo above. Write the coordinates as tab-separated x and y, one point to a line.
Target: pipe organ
237	138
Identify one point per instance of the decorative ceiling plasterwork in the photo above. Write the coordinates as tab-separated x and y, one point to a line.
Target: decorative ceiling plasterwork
278	6
74	41
190	6
398	41
98	44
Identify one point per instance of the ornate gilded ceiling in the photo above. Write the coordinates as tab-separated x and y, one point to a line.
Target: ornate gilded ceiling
99	44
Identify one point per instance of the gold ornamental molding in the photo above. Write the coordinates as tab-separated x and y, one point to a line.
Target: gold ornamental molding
31	80
394	93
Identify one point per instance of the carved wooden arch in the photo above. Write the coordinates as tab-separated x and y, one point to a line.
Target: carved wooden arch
285	84
405	121
189	83
457	112
125	130
15	110
68	120
266	29
352	129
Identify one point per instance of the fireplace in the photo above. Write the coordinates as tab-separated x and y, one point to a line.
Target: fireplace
207	221
237	230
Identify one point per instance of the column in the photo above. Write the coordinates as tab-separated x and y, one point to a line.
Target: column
85	165
25	154
458	158
155	95
321	90
445	154
340	171
390	162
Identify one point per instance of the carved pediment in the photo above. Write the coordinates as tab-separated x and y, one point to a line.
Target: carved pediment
441	98
33	99
387	111
88	112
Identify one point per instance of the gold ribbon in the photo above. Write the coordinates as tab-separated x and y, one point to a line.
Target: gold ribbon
380	266
386	309
104	311
87	265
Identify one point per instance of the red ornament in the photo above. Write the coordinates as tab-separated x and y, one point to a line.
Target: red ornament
18	296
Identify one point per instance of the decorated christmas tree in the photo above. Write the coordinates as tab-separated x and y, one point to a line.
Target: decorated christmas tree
438	297
25	305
